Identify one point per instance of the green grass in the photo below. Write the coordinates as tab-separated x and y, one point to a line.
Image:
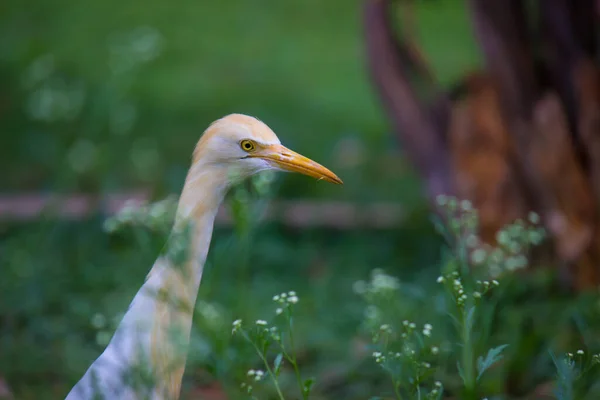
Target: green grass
55	277
50	295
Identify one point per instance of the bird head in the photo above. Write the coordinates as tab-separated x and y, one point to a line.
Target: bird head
243	146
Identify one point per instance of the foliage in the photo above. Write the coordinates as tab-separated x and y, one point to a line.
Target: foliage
457	327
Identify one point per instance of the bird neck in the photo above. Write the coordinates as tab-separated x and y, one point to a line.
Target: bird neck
176	280
155	331
202	194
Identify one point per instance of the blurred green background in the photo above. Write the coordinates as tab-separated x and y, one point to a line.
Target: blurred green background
105	96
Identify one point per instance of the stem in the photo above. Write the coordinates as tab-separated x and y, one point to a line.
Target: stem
396	391
394	383
467	356
270	373
262	357
293	358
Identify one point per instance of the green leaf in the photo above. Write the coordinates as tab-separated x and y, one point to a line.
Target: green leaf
493	355
455	320
277	364
441	228
566	375
470	318
460	372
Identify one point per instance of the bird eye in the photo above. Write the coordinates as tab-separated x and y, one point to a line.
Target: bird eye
247	145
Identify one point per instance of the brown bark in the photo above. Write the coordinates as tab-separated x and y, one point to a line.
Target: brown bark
522	135
390	67
565	197
481	150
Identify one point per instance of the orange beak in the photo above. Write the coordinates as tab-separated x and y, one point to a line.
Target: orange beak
289	160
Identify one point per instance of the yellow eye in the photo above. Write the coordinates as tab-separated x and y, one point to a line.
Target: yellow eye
247	145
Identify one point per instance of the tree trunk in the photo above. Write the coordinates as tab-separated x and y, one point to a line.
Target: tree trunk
522	135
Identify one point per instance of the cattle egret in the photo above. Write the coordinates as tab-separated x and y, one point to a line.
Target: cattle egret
146	356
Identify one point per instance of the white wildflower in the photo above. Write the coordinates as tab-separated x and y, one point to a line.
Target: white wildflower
381	282
478	256
359	287
371	312
237	324
259	375
534	218
466	205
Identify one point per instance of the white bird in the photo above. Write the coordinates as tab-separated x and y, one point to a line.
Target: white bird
146	356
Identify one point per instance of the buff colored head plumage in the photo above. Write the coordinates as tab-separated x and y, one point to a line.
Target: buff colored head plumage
243	145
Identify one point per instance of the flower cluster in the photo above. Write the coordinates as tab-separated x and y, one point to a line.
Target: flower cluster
379	358
237	325
262	331
257	375
155	216
436	391
211	315
285	300
252	376
513	242
377	292
580	354
427	330
267	339
406	354
380	283
386	328
462	218
456	288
